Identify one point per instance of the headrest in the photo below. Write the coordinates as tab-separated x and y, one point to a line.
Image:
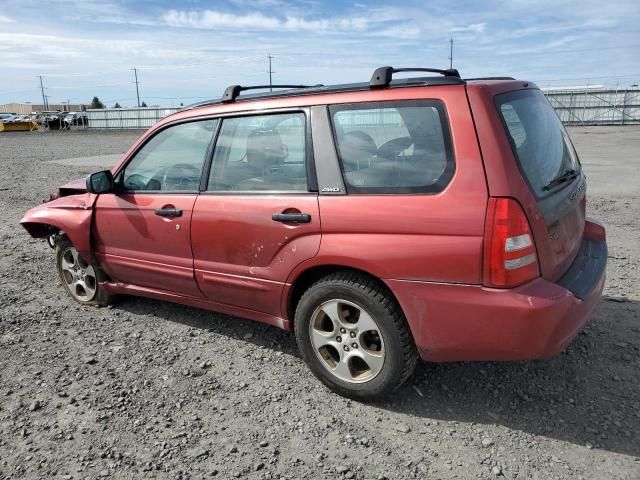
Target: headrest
265	148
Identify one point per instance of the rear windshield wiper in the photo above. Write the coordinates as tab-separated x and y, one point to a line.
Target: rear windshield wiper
562	178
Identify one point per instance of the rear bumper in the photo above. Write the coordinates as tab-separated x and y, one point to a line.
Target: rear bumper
536	320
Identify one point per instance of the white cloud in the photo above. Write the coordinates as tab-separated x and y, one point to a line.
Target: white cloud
212	19
473	28
405	31
257	3
198	52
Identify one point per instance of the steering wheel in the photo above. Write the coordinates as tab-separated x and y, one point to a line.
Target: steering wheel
285	152
395	147
181	176
135	182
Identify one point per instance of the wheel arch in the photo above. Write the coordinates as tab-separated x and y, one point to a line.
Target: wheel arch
40	230
44	220
309	276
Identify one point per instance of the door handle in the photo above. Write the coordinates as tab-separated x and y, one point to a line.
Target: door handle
169	212
291	217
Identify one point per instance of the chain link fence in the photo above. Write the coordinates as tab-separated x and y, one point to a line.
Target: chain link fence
128	118
591	106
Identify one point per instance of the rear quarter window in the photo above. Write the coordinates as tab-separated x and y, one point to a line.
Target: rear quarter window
393	147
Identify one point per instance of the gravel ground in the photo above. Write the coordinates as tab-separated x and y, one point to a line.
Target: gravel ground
146	389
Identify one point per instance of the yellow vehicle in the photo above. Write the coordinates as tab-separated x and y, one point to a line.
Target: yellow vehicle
18	125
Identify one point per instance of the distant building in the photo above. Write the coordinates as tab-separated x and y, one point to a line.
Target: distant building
26	108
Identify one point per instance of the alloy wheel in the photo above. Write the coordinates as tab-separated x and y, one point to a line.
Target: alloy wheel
347	341
78	276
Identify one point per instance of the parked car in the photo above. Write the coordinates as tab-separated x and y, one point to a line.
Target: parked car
383	222
51	119
76	118
6	116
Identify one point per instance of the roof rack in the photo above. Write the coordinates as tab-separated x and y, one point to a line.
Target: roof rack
383	76
488	78
232	92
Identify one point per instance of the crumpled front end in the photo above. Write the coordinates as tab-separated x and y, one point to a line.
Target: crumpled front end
69	214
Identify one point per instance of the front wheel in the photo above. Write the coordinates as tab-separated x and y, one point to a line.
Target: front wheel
353	336
79	278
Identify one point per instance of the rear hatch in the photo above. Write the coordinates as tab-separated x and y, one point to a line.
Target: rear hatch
549	165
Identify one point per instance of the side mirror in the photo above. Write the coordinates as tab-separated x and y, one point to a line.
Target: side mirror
100	182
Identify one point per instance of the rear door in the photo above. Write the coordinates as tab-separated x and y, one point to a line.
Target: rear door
550	167
258	217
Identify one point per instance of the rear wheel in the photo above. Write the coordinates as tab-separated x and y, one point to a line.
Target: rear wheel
354	337
79	278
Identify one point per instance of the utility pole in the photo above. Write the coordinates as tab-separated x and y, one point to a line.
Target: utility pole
450	51
44	98
135	73
271	72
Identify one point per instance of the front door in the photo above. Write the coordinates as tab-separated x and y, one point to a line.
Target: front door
259	216
142	232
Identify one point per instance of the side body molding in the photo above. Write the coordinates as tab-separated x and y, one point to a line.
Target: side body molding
71	214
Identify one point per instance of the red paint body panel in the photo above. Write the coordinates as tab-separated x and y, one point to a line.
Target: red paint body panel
75	186
115	288
242	256
136	246
71	214
468	322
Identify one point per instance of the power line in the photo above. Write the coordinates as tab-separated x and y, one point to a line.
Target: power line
271	72
135	73
44	97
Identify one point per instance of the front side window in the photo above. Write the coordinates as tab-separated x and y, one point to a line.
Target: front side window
394	147
172	160
260	153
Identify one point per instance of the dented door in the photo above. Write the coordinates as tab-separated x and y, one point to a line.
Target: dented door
242	257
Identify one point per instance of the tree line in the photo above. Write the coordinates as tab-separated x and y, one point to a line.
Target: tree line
96	103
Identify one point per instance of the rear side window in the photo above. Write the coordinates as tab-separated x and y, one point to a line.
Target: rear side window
261	153
393	147
538	139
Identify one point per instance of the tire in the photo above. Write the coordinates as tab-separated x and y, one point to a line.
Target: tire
373	354
79	279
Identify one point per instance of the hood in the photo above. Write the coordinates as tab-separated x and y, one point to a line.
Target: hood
74	187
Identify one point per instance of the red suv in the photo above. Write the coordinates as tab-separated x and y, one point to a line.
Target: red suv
432	217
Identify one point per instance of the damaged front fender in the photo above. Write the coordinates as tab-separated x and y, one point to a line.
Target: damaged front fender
71	214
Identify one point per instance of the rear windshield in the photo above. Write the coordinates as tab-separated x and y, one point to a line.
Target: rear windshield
538	139
394	147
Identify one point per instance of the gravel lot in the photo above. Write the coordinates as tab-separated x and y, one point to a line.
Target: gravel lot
146	389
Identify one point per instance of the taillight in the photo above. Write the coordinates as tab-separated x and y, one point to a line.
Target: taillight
510	257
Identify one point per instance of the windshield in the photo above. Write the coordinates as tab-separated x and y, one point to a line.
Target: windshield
538	139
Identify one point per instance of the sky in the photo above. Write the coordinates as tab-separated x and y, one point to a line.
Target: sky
190	50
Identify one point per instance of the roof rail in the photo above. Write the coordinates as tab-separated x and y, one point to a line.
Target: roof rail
232	92
382	76
489	78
